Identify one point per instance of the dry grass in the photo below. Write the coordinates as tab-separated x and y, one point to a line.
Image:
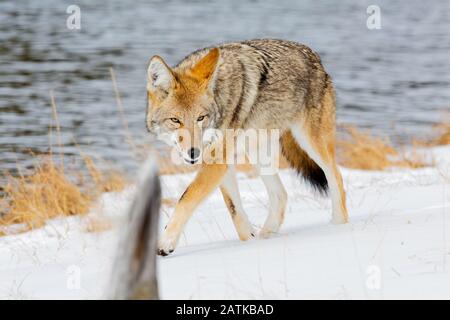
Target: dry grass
49	191
360	150
441	136
44	194
113	182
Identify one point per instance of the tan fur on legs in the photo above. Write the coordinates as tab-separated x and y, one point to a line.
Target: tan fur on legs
331	152
231	196
208	178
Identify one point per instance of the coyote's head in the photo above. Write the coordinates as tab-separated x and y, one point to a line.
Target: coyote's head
181	105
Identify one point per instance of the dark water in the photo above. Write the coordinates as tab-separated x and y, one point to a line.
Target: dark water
395	81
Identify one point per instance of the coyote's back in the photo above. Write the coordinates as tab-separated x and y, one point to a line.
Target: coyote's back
265	83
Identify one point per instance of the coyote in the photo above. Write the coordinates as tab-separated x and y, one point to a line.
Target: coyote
259	84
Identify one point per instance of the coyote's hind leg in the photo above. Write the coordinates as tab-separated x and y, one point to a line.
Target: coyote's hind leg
277	204
320	148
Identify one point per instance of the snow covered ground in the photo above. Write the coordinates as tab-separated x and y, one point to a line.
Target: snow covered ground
397	244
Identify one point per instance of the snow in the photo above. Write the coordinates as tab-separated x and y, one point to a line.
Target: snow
397	244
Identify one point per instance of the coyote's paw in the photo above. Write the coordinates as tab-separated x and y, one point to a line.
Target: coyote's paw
266	233
246	236
166	245
245	231
270	227
338	219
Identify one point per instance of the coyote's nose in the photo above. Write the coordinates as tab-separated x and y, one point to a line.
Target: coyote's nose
194	153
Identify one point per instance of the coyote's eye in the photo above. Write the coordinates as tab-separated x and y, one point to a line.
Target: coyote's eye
175	120
200	118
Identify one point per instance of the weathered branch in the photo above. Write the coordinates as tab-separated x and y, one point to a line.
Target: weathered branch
134	270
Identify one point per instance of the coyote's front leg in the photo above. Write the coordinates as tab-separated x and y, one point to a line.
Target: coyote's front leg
208	178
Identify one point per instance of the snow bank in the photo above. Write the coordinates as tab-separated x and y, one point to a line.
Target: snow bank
397	244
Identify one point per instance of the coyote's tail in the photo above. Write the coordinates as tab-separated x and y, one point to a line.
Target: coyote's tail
300	161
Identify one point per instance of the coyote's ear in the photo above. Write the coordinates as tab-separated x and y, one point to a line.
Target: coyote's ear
204	69
159	75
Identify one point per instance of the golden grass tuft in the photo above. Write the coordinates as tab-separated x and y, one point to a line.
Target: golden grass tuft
113	182
360	150
49	191
44	194
441	136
